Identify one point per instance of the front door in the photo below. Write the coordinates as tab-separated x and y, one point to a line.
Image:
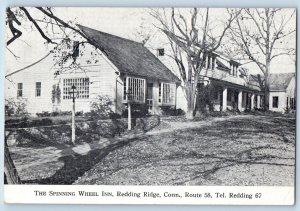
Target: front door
150	97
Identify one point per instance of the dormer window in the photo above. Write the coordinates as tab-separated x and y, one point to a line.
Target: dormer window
160	51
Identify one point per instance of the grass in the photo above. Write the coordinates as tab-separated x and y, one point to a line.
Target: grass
237	150
241	151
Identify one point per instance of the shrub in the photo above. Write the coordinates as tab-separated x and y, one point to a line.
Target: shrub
25	122
65	113
79	113
55	113
146	124
205	97
115	116
89	131
101	107
137	111
171	111
43	114
15	107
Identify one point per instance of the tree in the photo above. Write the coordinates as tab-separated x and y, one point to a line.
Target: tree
59	35
193	35
262	35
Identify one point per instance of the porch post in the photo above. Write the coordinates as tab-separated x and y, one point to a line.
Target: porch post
224	102
258	101
252	101
240	100
155	96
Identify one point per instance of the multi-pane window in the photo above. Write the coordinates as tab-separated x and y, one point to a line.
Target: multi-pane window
275	102
167	93
134	89
292	103
20	90
159	93
82	86
125	89
38	88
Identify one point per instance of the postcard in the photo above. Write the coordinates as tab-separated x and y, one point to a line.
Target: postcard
150	105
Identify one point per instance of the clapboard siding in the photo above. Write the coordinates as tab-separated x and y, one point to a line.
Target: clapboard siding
102	77
38	73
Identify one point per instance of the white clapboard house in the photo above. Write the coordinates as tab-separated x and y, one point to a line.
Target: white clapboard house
112	66
282	92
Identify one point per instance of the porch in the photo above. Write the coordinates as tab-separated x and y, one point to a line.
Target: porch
223	96
149	94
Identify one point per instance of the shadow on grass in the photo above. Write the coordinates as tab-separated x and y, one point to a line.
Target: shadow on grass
76	165
243	127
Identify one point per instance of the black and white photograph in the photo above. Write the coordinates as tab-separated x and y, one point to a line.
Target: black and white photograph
169	99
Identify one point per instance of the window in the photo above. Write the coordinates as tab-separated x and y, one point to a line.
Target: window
292	103
136	87
167	93
82	87
125	89
159	93
38	87
275	102
20	90
161	52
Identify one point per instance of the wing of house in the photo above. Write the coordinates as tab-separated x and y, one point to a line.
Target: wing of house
282	92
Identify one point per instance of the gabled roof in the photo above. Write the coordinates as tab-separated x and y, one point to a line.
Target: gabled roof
277	81
129	56
280	81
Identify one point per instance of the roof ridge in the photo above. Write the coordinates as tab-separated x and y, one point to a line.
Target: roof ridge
129	56
111	35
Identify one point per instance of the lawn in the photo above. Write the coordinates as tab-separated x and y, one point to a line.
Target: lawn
236	150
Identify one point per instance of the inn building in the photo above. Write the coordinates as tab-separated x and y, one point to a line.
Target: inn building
125	70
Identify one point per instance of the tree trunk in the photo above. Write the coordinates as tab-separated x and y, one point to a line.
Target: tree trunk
266	100
189	114
267	90
190	102
10	171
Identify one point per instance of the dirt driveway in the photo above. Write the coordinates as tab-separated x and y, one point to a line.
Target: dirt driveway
238	150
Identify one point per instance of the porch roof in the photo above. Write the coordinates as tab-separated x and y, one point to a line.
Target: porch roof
245	87
129	56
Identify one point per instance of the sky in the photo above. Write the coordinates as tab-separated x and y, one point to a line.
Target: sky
123	22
